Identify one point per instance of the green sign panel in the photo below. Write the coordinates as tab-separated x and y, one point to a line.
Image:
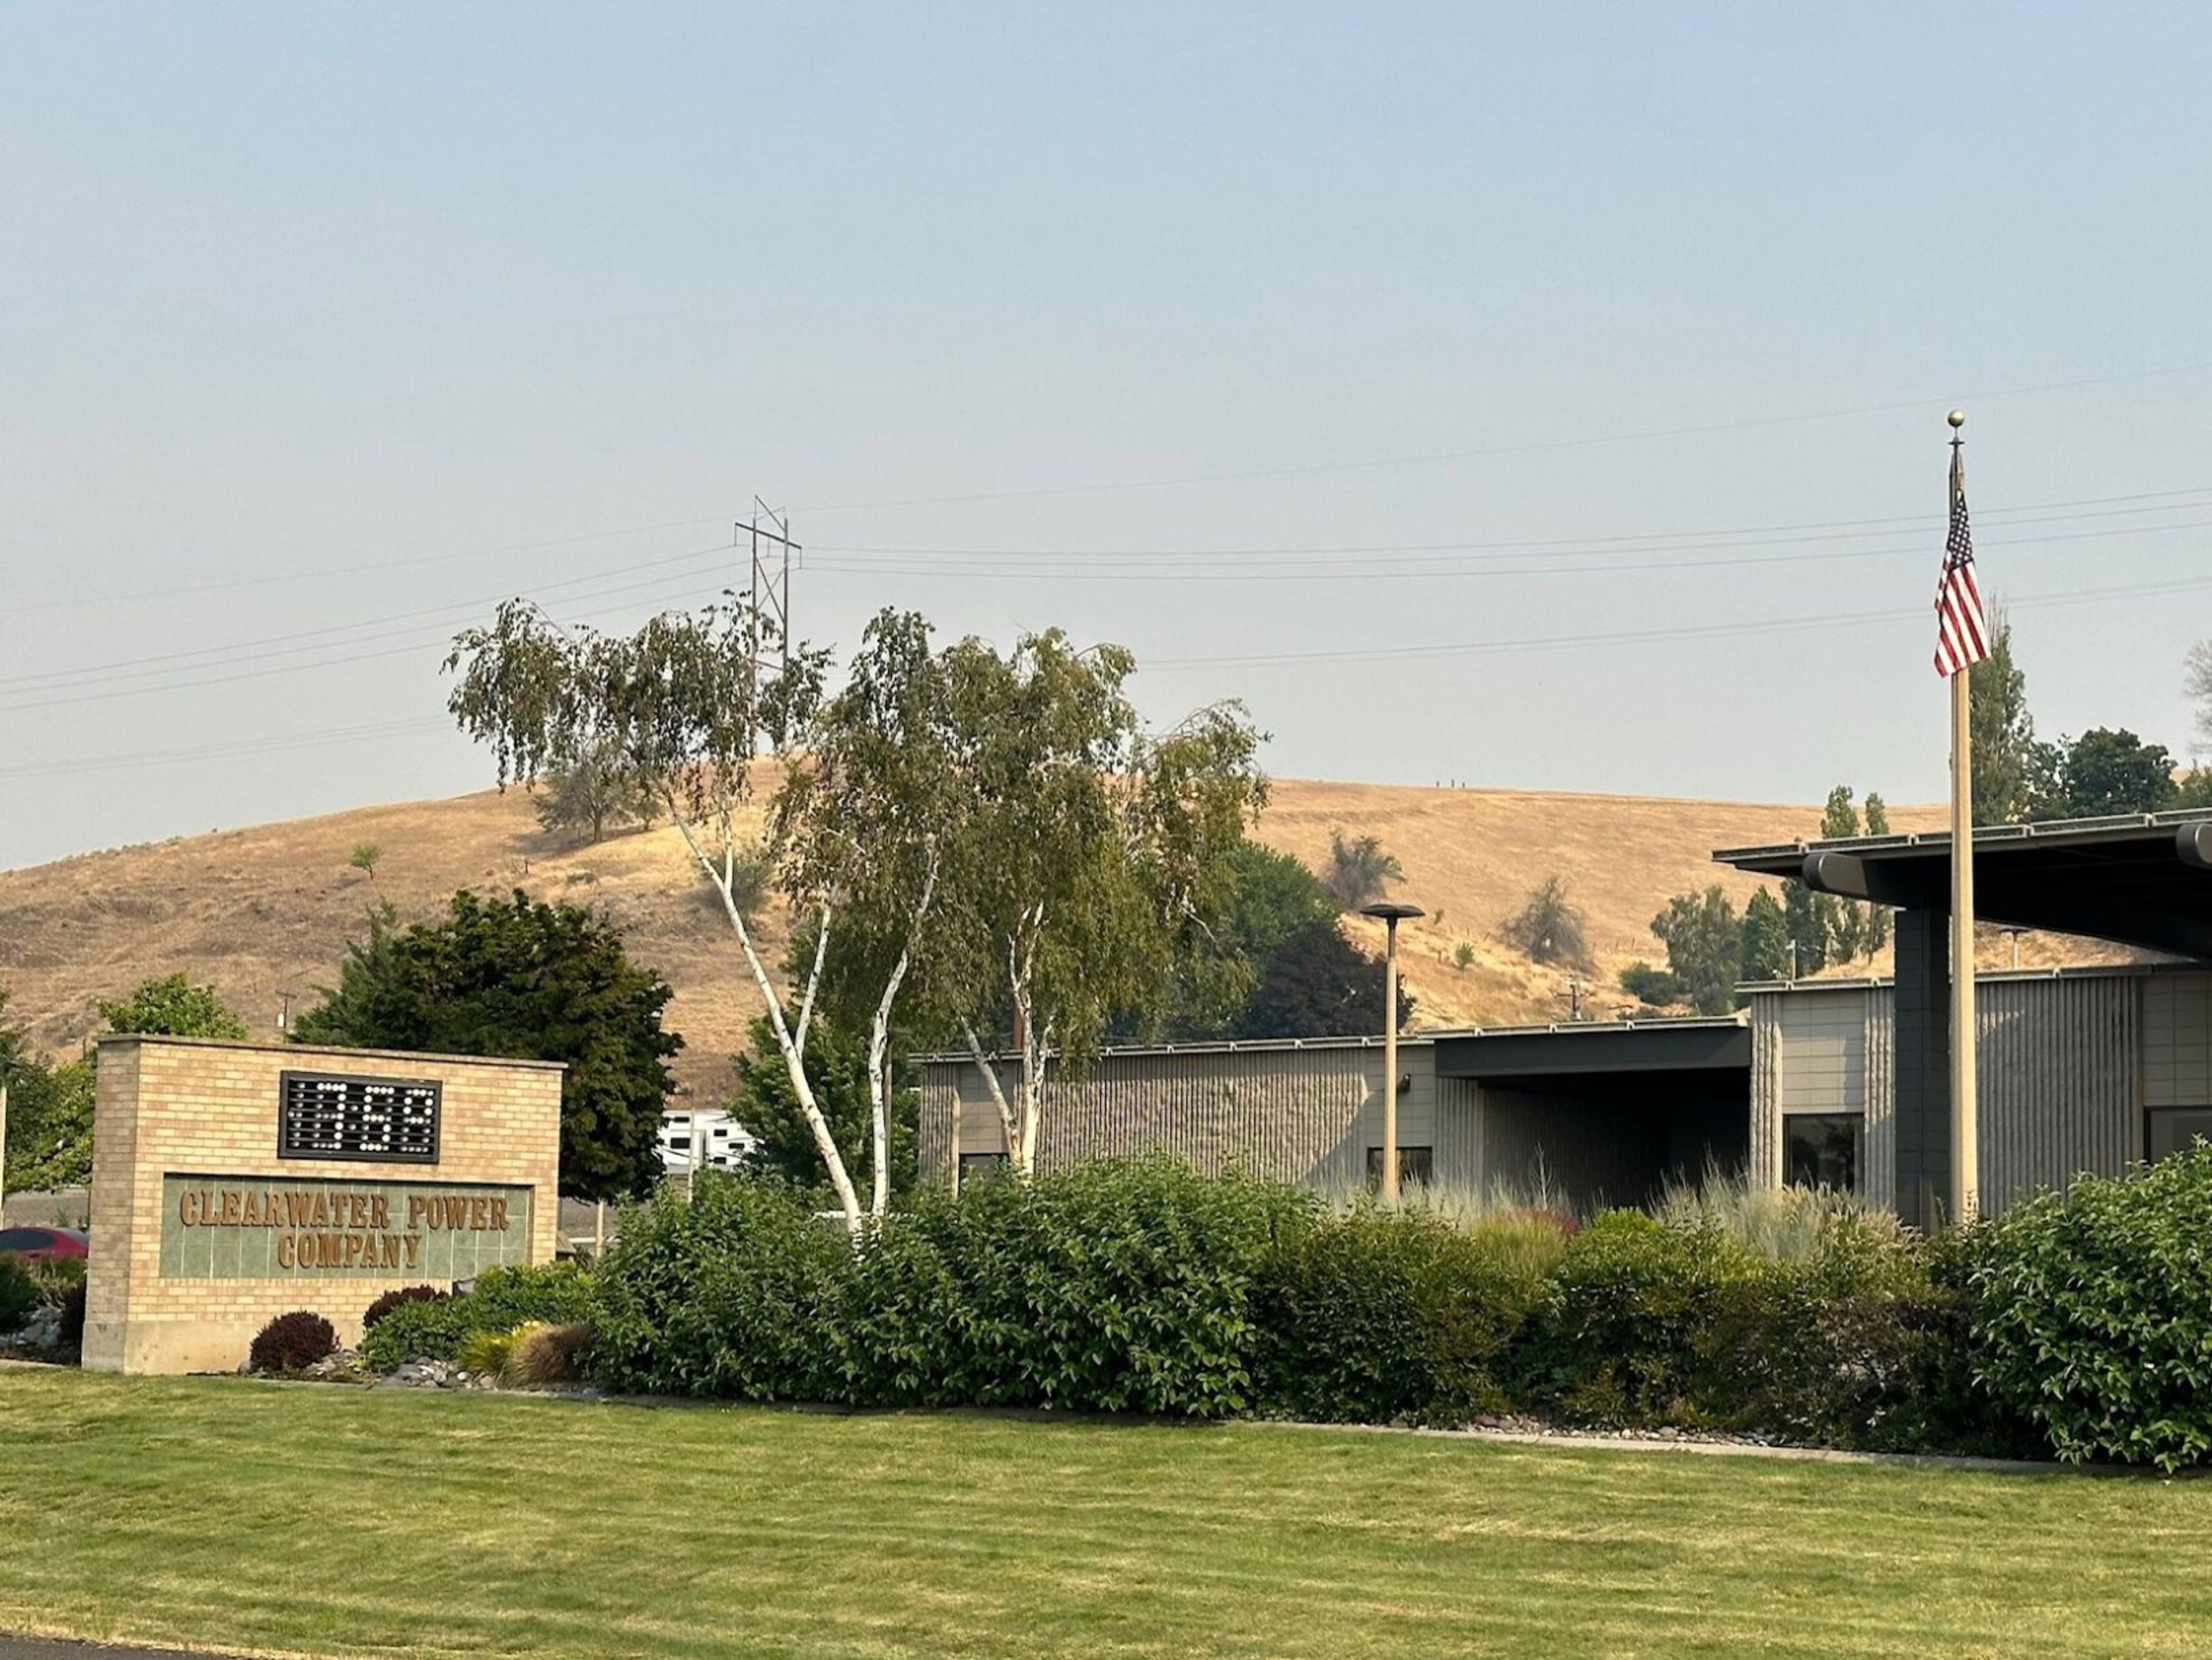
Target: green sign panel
259	1227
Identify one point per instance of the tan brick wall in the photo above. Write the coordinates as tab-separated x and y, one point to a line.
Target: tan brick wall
189	1107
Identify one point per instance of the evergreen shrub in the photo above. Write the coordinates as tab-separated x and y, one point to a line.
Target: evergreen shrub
2091	1313
391	1299
18	1292
730	1293
1117	1287
1375	1315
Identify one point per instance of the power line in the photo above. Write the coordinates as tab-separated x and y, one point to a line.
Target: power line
1810	622
370	566
1910	523
1433	567
420	644
1527	449
345	633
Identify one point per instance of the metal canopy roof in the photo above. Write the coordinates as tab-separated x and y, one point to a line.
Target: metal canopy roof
1597	1047
2144	881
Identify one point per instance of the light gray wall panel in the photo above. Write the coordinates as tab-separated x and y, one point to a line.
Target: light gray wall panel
2177	1040
1767	1023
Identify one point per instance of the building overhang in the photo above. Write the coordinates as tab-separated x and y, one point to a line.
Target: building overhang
2145	880
1595	1049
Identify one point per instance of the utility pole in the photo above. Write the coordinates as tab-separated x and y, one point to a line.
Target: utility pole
769	587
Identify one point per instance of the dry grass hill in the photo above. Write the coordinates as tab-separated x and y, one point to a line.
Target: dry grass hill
265	911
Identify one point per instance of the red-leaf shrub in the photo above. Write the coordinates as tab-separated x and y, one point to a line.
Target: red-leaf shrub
292	1342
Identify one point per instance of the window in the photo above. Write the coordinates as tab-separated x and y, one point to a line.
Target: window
676	1143
1415	1164
975	1166
1821	1150
2172	1128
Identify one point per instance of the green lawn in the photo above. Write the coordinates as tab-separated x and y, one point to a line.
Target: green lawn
336	1522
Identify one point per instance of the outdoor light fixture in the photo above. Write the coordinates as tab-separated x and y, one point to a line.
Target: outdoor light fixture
1390	915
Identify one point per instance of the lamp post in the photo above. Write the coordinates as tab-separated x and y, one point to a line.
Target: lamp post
1390	915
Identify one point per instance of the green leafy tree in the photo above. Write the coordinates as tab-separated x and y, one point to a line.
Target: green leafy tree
864	825
1549	929
1844	919
2194	789
838	1063
49	1129
50	1104
1319	984
593	794
1272	898
1703	941
1764	950
2106	771
173	1007
682	708
529	980
1091	854
50	1109
2004	732
364	858
1807	929
1877	923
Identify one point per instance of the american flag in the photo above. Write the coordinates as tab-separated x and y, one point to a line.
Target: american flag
1962	632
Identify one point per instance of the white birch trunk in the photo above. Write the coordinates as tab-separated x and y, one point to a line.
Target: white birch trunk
849	1199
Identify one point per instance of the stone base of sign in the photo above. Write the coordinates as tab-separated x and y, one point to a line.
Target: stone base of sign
206	1222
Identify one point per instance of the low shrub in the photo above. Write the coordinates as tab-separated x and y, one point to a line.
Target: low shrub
434	1327
292	1342
72	1308
2091	1313
487	1352
425	1328
397	1297
18	1292
544	1355
1376	1315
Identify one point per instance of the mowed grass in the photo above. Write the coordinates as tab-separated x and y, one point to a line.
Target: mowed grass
338	1522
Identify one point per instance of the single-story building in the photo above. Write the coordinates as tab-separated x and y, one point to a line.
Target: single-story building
1845	1082
1585	1113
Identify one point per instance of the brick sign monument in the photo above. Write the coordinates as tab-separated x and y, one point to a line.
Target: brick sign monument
232	1182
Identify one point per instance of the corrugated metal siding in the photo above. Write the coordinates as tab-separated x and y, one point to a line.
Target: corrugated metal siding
1878	1136
1303	1115
1584	1153
2177	1040
2057	1074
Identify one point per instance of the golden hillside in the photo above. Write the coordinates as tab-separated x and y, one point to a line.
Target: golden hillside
265	911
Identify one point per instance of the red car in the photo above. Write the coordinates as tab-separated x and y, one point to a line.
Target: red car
41	1245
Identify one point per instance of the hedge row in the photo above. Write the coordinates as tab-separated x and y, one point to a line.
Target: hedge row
1144	1287
2080	1324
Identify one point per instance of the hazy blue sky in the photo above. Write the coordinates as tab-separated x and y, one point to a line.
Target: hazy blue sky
325	327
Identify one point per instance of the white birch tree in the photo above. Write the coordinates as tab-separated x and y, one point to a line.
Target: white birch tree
682	708
1088	855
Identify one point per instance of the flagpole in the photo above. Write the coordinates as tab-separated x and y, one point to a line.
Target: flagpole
1966	1183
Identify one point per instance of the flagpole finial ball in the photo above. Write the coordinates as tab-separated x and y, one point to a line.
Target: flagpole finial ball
1957	418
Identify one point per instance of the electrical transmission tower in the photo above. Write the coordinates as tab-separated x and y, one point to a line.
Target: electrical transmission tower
774	555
